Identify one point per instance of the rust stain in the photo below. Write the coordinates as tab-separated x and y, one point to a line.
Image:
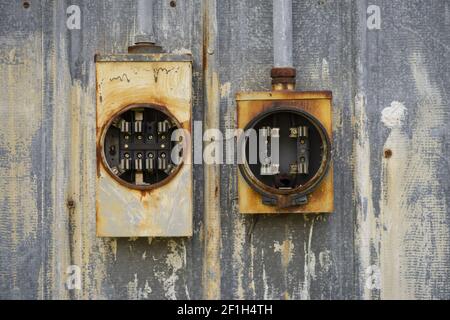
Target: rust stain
156	71
387	153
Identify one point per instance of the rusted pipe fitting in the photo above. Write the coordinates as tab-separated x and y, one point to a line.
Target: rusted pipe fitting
283	78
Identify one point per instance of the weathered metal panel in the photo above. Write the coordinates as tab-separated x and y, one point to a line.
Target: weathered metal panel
401	105
317	104
125	212
390	91
23	204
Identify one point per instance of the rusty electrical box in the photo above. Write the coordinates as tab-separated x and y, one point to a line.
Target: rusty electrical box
144	171
302	179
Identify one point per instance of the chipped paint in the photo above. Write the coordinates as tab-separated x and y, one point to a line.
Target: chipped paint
325	260
309	264
394	116
286	251
182	51
391	212
366	221
225	89
175	261
212	223
412	209
238	254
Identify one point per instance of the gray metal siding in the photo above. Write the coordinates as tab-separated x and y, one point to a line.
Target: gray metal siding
390	213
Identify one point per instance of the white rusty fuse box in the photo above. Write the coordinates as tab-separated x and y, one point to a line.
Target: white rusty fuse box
144	170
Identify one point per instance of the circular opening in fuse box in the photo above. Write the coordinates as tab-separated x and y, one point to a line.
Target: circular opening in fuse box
141	146
303	152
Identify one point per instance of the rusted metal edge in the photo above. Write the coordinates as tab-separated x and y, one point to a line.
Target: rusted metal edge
154	57
283	95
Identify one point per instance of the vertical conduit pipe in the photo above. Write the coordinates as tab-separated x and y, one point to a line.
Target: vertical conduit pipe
283	73
144	39
144	22
282	33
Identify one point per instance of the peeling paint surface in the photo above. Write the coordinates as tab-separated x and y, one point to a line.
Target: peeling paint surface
389	234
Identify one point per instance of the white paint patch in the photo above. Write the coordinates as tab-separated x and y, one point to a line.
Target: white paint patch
147	290
367	233
113	246
182	51
238	256
132	288
266	286
225	89
326	82
309	271
277	247
373	281
286	249
325	260
394	116
137	293
175	261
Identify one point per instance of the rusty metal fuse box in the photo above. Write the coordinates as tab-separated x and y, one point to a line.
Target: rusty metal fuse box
144	171
302	180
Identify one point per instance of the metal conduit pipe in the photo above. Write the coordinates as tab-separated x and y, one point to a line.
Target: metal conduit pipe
144	22
282	73
144	39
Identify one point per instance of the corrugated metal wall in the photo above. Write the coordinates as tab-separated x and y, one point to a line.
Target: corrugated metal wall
389	236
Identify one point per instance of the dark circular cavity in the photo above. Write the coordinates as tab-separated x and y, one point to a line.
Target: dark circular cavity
137	146
287	181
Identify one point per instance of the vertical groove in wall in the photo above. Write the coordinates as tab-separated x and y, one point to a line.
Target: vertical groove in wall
365	220
212	231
